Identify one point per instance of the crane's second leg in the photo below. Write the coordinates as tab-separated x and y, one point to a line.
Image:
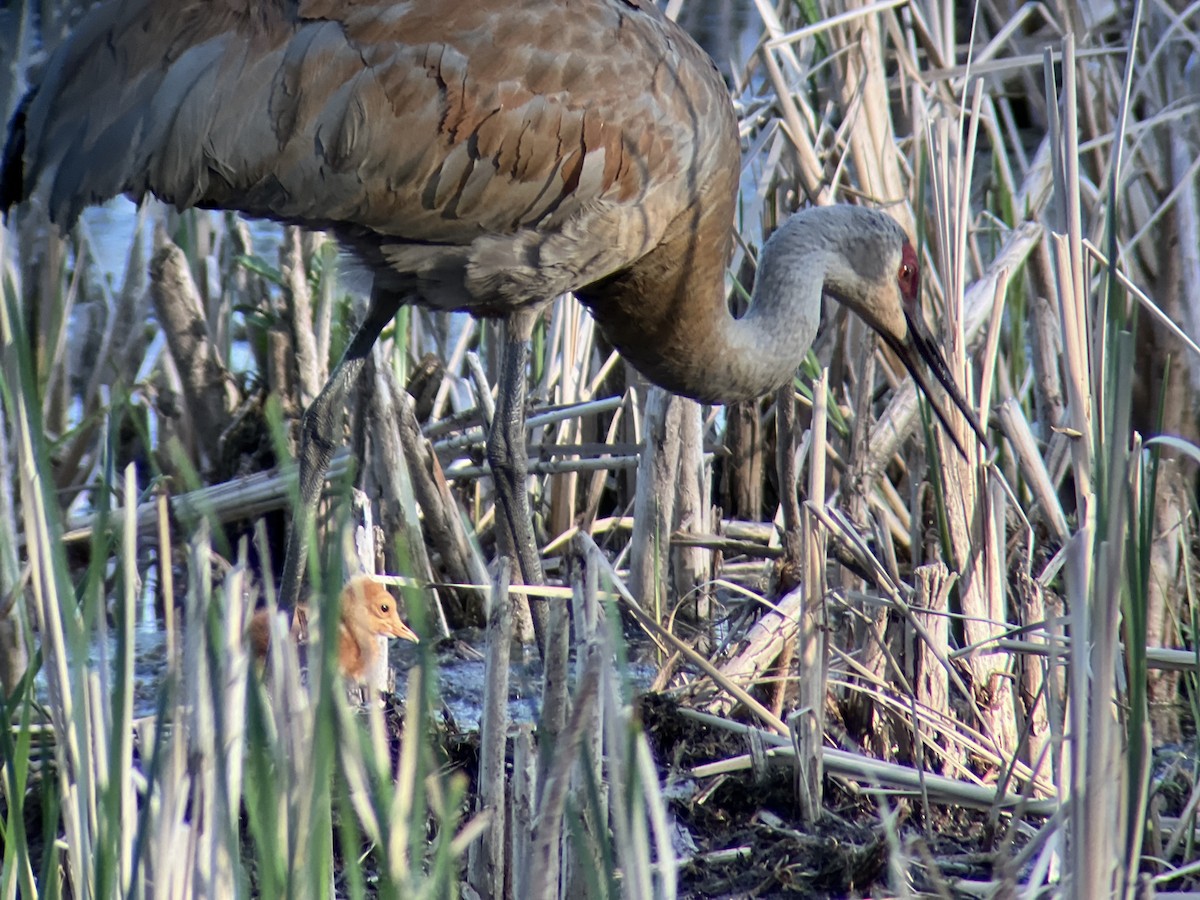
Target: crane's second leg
320	435
508	458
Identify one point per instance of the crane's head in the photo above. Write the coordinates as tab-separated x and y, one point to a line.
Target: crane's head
917	344
880	281
366	602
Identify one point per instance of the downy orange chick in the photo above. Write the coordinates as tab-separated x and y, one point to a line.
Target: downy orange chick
368	611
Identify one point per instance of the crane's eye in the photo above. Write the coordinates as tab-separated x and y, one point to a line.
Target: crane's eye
908	276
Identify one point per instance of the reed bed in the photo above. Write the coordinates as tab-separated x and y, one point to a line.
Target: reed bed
879	666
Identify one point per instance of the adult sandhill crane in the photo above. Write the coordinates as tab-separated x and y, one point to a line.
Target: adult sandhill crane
484	156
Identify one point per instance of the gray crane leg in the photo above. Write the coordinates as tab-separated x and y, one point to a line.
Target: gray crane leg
509	461
320	435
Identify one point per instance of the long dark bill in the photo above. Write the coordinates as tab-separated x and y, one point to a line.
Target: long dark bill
918	347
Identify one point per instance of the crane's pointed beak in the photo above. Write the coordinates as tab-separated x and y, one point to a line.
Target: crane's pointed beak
920	346
403	632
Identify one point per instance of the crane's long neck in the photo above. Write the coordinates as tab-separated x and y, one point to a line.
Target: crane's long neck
357	647
680	334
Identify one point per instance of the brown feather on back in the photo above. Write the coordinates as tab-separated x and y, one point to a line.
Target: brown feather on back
453	147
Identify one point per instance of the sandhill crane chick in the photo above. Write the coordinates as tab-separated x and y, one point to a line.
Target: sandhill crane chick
368	611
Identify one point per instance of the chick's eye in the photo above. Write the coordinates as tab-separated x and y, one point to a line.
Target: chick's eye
384	608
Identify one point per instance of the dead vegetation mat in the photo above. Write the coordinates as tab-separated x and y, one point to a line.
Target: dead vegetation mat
750	840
